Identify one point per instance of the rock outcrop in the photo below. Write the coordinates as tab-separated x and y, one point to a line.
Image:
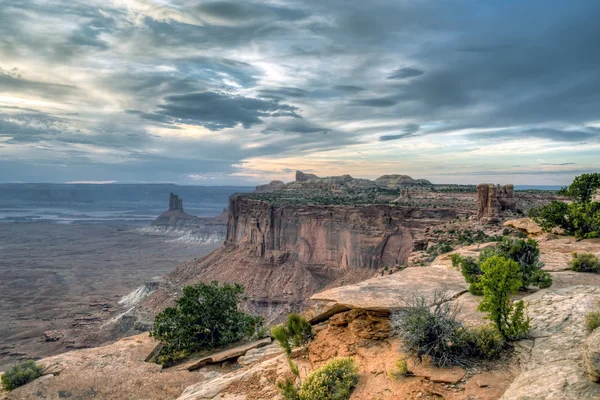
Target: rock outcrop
492	200
269	187
175	203
591	356
303	177
552	360
200	229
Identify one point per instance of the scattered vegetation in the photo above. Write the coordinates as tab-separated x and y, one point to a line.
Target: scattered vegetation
20	374
205	317
401	369
592	319
525	252
485	341
584	263
296	331
333	381
433	330
580	218
500	280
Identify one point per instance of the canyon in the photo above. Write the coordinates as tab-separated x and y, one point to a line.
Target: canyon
344	252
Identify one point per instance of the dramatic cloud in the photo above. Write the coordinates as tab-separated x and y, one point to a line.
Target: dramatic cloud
246	91
405	72
217	111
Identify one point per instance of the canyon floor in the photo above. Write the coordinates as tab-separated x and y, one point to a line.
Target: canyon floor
68	279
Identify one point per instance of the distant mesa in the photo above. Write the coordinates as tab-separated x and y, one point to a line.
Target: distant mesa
342	182
269	187
394	181
303	177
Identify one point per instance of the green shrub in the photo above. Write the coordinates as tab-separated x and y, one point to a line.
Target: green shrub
296	331
486	341
20	374
432	330
523	251
584	263
205	317
501	278
580	218
592	320
333	381
401	369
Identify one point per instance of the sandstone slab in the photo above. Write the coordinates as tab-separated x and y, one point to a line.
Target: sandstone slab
255	355
386	293
552	360
222	383
228	354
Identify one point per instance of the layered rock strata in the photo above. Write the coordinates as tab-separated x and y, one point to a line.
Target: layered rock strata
492	200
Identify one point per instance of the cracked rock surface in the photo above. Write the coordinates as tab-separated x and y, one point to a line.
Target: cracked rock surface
552	359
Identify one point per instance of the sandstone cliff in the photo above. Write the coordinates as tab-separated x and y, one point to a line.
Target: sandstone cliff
283	254
354	236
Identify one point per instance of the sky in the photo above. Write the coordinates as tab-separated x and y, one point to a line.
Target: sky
243	92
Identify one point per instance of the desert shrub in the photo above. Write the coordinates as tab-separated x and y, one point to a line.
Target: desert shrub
401	369
486	341
580	218
584	263
205	317
592	320
333	381
20	374
432	330
502	278
296	331
525	252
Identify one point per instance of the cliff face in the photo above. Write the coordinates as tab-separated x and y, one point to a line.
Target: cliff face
343	237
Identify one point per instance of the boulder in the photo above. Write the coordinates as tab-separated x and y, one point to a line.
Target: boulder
591	356
525	225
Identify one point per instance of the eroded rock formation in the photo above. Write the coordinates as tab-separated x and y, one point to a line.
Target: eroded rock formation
492	200
343	237
175	203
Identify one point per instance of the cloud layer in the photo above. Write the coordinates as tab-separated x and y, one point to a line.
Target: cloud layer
219	92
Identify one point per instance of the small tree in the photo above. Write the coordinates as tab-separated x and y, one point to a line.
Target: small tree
525	252
580	218
20	374
502	278
296	331
205	317
582	188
